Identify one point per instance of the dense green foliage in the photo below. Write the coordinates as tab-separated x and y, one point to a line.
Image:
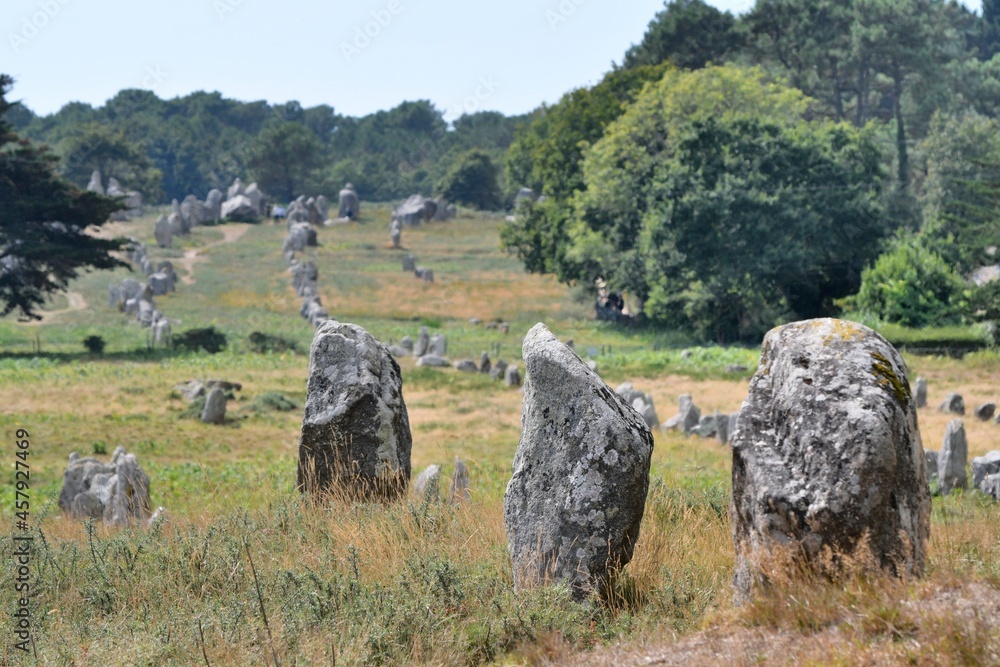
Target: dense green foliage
917	79
716	208
688	33
188	145
912	286
473	180
42	241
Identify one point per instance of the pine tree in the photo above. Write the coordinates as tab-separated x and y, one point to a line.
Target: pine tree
43	223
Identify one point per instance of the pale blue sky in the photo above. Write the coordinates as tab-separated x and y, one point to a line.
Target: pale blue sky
463	55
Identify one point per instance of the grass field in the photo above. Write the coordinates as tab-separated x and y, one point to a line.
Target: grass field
244	572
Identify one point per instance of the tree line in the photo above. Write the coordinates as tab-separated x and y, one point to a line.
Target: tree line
806	157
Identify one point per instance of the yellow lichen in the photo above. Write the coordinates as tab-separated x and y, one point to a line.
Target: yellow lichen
887	378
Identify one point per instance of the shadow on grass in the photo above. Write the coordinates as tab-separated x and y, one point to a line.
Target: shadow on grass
136	355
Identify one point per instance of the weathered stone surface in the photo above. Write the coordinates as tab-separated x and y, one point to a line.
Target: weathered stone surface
953	403
239	207
733	421
427	485
162	232
459	492
688	415
438	345
512	376
953	459
433	361
409	263
991	486
349	206
920	392
323	208
988	464
423	342
117	493
427	275
407	344
828	454
484	363
356	432
214	411
573	506
985	411
467	366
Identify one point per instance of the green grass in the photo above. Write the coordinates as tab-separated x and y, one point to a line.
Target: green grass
406	583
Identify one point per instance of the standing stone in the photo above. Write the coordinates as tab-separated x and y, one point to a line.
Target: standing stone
733	419
988	464
484	363
409	263
920	392
214	411
467	366
828	454
255	196
438	345
162	232
573	506
427	275
94	185
213	205
240	208
349	206
423	342
688	415
407	344
427	485
991	486
117	493
161	283
414	210
985	411
161	332
512	377
115	299
396	232
433	361
235	189
323	208
459	492
175	224
931	464
356	432
953	459
722	428
499	370
953	403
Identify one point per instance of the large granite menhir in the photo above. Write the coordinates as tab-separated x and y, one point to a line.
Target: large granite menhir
355	440
828	453
573	506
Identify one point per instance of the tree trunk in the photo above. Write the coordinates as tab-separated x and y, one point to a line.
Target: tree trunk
903	156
